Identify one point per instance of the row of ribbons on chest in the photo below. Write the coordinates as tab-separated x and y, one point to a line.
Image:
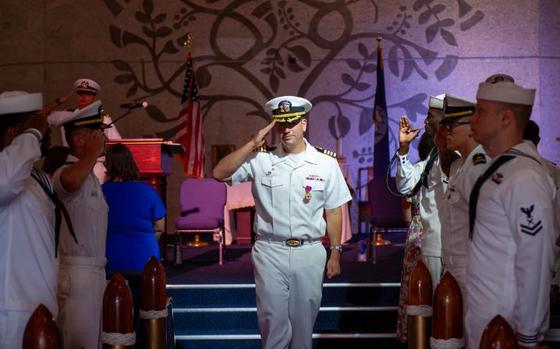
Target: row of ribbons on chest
59	209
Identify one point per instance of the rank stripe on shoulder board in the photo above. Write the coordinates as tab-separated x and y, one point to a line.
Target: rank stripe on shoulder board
478	159
326	152
264	149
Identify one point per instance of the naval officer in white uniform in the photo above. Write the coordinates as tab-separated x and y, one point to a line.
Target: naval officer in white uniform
28	266
427	180
511	221
82	273
462	175
86	91
293	186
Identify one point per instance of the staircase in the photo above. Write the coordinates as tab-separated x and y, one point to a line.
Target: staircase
352	315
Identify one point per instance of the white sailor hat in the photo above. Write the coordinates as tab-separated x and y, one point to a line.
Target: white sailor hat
457	107
87	85
288	109
506	91
16	102
436	102
90	117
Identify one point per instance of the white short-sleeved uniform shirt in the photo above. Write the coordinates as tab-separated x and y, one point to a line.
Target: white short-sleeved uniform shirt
28	267
455	227
88	212
280	184
511	253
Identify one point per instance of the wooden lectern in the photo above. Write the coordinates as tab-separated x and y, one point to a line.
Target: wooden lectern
153	158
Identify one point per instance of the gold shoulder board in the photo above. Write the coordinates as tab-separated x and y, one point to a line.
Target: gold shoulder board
478	159
326	152
264	149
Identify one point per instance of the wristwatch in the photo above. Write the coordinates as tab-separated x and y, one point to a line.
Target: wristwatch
336	247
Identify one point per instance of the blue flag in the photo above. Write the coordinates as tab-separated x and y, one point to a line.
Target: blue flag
380	121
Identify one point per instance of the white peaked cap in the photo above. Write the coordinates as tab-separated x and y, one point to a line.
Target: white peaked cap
436	102
87	85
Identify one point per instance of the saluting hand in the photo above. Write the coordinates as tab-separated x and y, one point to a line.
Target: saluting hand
406	132
259	138
66	97
95	143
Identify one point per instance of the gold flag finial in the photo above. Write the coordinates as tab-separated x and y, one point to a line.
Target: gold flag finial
188	41
378	38
188	44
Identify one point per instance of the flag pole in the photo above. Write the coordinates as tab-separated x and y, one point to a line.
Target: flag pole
196	241
381	149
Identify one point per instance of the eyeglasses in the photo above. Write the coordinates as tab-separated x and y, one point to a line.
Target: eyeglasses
85	93
451	125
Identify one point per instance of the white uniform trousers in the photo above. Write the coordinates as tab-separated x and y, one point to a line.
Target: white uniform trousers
457	266
433	264
474	326
80	300
289	285
12	326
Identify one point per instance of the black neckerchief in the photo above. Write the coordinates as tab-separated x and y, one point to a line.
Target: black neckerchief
423	181
59	208
476	188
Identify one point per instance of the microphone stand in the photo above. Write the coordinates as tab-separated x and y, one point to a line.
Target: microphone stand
120	117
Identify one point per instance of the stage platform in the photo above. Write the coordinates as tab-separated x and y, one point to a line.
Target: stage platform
214	306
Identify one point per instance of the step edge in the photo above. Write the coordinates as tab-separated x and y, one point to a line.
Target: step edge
326	285
552	335
254	309
258	336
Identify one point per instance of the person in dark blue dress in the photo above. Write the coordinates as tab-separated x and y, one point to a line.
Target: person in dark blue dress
136	214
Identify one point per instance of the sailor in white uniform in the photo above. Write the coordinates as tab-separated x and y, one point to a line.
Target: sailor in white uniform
28	266
82	273
293	186
511	254
86	91
462	176
427	180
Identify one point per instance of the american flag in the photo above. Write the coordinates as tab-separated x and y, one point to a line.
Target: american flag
189	131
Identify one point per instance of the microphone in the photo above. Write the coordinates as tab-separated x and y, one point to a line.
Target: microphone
142	104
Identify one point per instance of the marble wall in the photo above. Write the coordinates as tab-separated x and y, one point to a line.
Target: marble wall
247	52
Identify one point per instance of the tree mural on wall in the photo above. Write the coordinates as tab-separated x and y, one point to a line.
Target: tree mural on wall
288	40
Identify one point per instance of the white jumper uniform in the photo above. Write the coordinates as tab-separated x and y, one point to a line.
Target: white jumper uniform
455	226
511	253
28	268
289	279
82	274
431	200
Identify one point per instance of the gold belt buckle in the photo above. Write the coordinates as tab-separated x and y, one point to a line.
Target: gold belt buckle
293	243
